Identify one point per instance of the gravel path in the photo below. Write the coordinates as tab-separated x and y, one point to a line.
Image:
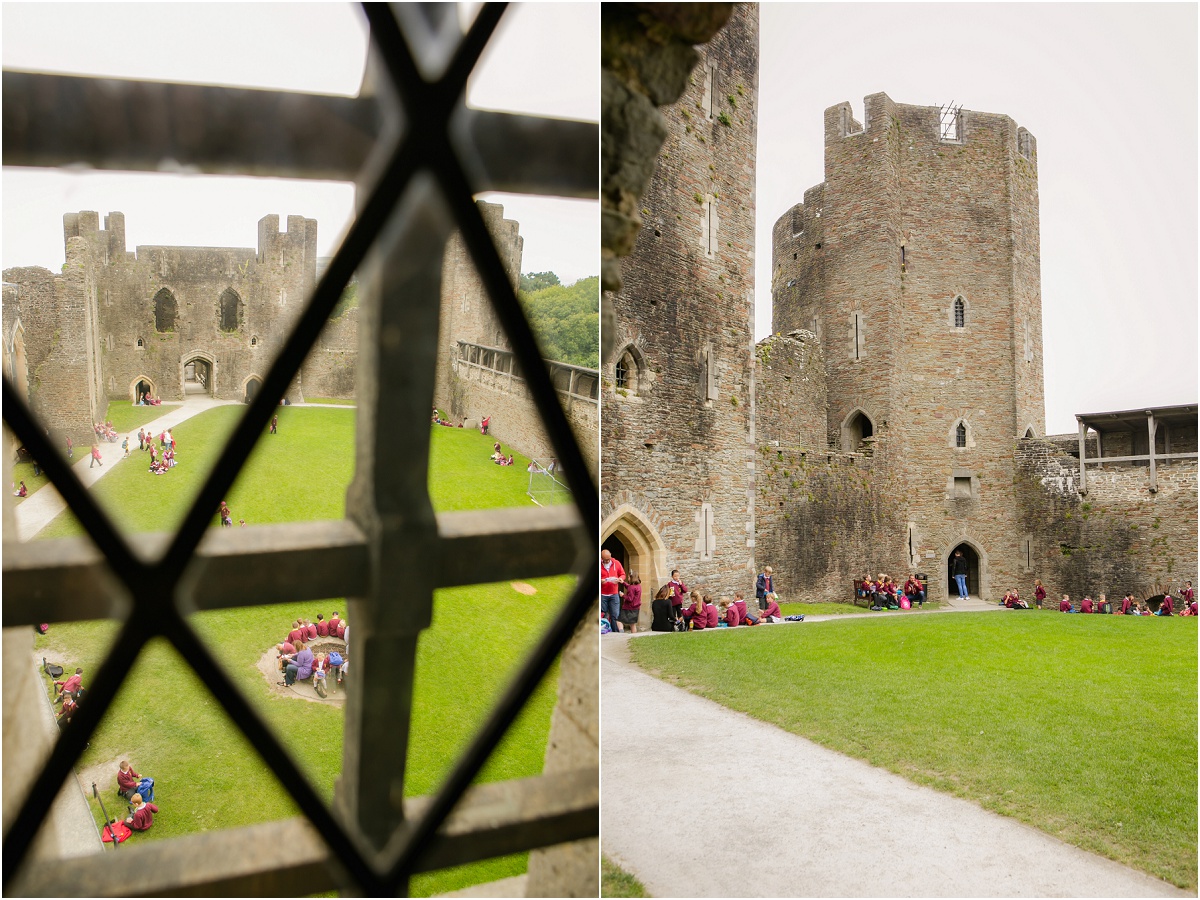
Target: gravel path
825	826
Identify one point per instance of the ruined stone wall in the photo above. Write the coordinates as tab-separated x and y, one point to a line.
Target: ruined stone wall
1118	537
331	367
789	391
59	351
825	518
678	464
515	421
907	221
467	313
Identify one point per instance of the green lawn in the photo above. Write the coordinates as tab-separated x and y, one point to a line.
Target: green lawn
166	722
126	417
834	609
334	401
1082	726
616	882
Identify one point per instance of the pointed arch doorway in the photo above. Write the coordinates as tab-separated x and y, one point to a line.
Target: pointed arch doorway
631	537
975	571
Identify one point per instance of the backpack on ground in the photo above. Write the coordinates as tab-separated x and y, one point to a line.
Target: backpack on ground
146	789
51	669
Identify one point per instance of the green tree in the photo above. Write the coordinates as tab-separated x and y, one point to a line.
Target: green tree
536	281
566	320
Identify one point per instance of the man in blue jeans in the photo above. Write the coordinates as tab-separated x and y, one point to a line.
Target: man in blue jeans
960	574
612	574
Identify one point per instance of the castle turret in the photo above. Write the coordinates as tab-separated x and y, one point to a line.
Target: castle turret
916	262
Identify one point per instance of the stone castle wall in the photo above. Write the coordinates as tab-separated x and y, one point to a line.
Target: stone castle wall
790	396
678	464
1118	537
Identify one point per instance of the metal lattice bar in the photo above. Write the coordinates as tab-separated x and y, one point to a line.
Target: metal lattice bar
433	148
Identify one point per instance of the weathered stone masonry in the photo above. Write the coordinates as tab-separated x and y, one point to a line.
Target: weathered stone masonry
678	395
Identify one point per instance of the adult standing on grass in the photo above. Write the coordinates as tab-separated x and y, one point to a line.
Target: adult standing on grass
959	571
96	456
612	576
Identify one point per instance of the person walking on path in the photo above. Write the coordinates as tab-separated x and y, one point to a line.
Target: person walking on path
960	574
70	448
612	576
95	456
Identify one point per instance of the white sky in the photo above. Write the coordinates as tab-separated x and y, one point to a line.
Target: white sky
545	60
1110	93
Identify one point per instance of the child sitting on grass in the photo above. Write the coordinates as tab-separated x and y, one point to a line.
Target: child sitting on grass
141	820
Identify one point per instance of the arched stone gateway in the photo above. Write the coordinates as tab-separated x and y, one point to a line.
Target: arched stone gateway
250	388
977	570
198	371
629	535
140	387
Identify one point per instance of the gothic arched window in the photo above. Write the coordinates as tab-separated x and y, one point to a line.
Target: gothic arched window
165	311
960	313
960	435
231	310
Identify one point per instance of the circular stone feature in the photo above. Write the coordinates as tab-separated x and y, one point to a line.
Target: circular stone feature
268	665
522	588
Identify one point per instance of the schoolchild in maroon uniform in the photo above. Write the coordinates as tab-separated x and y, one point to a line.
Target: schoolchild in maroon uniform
713	614
127	780
1039	593
731	614
341	630
141	820
743	611
696	615
322	626
1064	605
334	622
772	609
679	590
1086	606
631	602
310	631
296	634
1168	607
71	685
914	590
1187	595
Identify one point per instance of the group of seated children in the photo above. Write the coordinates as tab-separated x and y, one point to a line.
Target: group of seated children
884	593
438	420
498	456
727	613
298	663
144	399
138	791
1013	600
21	491
105	432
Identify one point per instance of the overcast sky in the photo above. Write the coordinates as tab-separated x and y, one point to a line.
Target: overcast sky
545	61
1108	90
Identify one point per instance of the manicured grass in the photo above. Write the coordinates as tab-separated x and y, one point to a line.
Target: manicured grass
165	721
23	471
334	401
126	417
616	882
839	609
1084	727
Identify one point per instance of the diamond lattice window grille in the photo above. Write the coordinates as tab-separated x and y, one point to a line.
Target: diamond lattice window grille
419	182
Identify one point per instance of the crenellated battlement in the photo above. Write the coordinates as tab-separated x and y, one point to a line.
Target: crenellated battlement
108	242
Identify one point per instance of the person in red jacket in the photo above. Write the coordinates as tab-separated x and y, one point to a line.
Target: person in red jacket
679	590
714	616
1086	606
296	634
141	820
310	631
772	610
127	780
334	622
1039	592
1064	605
72	684
322	626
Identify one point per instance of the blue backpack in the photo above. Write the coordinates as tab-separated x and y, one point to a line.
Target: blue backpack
335	659
146	789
